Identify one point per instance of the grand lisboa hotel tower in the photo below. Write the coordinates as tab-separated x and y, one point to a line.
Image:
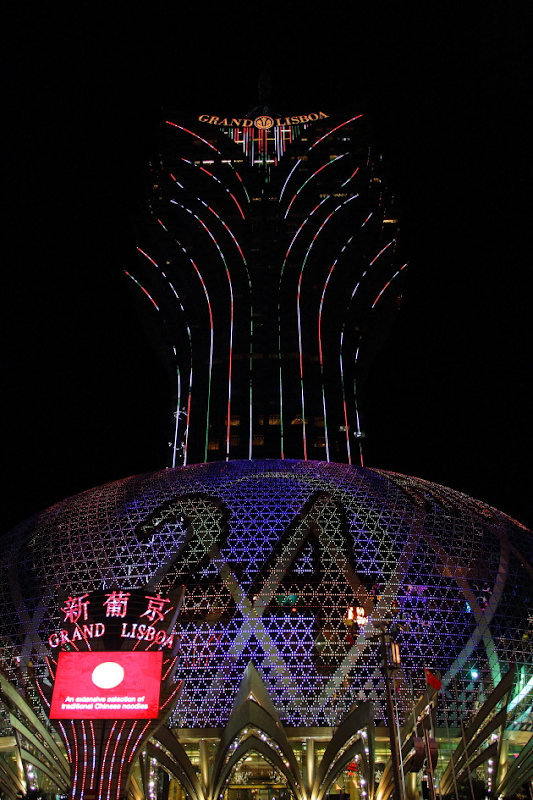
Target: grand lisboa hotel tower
326	629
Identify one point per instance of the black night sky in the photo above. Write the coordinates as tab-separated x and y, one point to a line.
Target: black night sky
87	402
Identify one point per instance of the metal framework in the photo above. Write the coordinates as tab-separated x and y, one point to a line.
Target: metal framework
273	554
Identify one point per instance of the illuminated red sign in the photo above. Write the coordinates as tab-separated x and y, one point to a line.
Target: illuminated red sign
107	685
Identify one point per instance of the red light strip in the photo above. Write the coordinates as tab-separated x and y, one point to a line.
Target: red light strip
230	285
298	314
156	265
148	295
388	284
106	772
352	119
93	750
186	130
135	745
112	763
211	347
85	754
75	781
46	702
66	740
304	184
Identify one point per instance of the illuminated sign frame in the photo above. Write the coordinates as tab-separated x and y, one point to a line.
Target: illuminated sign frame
107	685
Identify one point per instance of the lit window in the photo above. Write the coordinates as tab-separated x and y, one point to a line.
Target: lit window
298	421
274	419
319	422
213	444
258	439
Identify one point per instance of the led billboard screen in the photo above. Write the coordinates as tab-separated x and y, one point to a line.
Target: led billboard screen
107	685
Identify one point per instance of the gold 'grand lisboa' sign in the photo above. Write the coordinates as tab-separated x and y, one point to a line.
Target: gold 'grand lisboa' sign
262	122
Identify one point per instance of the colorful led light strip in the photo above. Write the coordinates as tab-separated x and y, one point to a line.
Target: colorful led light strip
192	133
347	181
93	751
318	141
320	351
298	313
141	287
234	239
178	374
76	756
388	284
214	177
341	367
106	773
112	763
304	184
85	754
280	295
230	285
210	363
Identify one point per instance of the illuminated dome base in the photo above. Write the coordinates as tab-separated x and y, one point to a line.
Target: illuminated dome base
276	556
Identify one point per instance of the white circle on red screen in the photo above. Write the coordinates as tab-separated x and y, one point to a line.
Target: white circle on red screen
107	675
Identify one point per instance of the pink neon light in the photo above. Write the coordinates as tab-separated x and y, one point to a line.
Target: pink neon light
230	371
102	766
173	695
43	698
129	738
114	755
304	436
84	736
51	669
66	740
75	781
314	145
170	665
134	748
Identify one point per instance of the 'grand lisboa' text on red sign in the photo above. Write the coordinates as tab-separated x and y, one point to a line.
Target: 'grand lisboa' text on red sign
76	611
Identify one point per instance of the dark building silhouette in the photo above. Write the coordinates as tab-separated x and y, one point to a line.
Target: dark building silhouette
269	260
268	279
